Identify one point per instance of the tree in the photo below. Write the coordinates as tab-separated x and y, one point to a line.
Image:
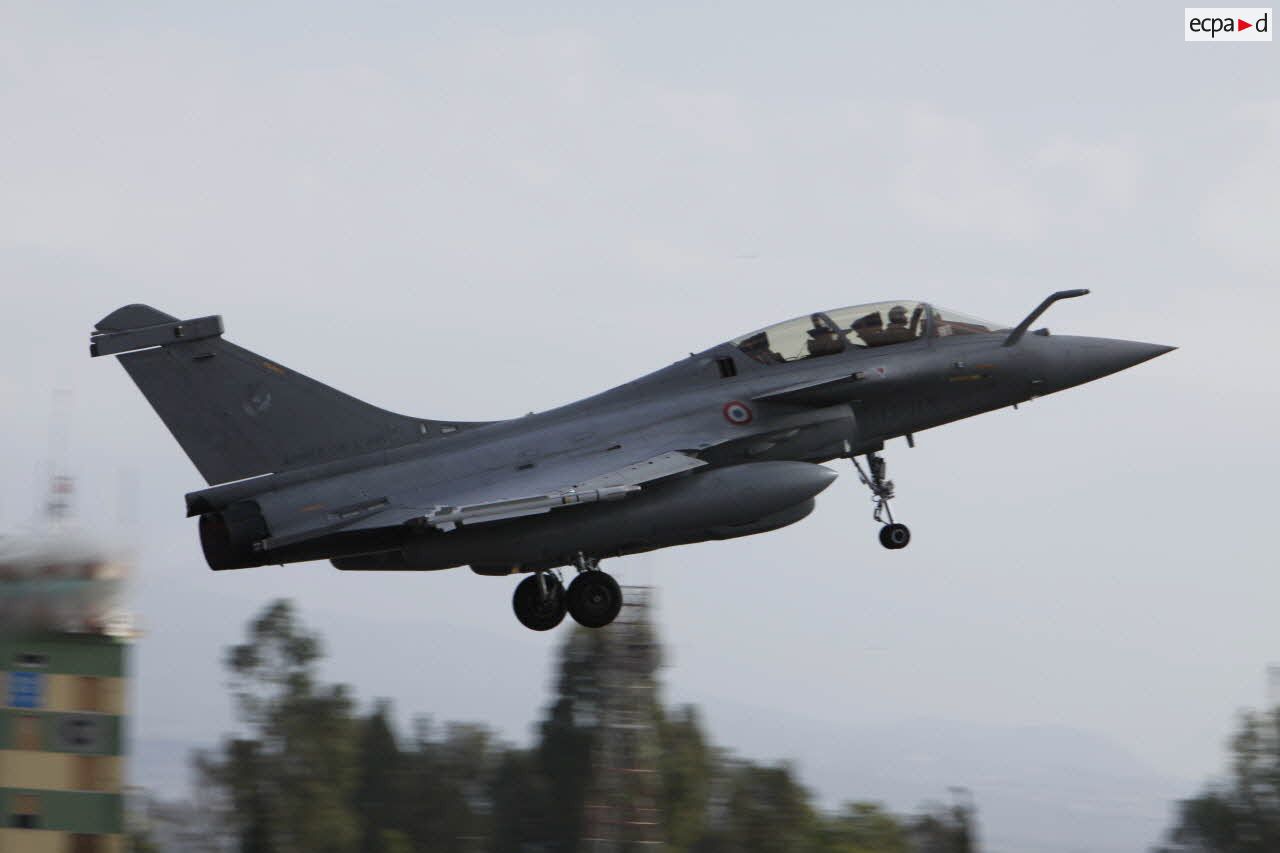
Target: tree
569	731
946	829
763	810
687	765
863	828
309	776
378	797
448	795
290	783
1242	813
522	801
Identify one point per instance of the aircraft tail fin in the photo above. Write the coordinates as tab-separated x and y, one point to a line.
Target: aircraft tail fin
238	414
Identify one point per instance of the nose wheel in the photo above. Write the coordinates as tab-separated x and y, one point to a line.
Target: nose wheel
893	535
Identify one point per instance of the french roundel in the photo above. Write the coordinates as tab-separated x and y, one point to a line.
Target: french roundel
737	413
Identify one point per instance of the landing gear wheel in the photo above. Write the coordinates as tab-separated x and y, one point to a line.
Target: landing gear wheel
539	602
594	599
895	536
892	535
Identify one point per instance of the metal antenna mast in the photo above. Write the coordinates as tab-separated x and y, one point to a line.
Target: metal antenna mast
58	497
621	812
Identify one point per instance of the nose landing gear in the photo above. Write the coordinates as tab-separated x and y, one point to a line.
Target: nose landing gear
893	535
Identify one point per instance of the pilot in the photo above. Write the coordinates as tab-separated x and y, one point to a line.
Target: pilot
823	339
897	331
870	328
757	347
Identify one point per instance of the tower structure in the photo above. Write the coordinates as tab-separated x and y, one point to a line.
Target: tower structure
64	643
622	813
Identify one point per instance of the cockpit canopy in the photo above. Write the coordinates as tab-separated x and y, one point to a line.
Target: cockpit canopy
874	324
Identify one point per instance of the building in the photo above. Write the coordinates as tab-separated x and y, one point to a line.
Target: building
64	644
62	743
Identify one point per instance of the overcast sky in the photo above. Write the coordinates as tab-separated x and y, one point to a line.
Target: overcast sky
461	214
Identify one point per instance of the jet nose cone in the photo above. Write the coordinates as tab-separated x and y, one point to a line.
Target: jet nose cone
1087	359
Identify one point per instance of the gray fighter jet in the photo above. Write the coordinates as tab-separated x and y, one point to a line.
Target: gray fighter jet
724	443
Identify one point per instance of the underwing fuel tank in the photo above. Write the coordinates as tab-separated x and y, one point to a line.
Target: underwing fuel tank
713	504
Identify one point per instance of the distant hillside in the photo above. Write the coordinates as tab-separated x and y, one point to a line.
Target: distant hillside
1040	789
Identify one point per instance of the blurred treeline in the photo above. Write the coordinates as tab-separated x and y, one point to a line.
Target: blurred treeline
315	775
1239	813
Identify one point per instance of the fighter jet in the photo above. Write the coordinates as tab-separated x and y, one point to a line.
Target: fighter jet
725	443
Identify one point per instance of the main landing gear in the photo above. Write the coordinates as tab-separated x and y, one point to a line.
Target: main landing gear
892	535
593	598
539	601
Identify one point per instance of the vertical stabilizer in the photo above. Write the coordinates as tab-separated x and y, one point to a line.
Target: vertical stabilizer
238	414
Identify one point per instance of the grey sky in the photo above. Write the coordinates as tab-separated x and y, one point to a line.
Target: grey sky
475	215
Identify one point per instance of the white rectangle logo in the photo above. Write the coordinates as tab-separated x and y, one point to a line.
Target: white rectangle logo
1227	25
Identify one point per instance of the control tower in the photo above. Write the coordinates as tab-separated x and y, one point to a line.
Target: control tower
64	643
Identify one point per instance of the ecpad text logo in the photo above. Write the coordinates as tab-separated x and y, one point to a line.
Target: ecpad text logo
1227	25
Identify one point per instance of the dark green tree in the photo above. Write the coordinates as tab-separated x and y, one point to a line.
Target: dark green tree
449	780
290	783
764	810
309	776
378	799
945	829
522	801
568	732
863	828
1242	813
770	811
687	765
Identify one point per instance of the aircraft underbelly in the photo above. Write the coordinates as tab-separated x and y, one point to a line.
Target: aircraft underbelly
747	498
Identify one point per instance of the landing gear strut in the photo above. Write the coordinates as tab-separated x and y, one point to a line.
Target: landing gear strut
594	597
892	535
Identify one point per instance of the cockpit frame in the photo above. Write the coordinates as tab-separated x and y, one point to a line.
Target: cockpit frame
866	326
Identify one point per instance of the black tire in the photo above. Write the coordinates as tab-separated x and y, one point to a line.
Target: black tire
895	536
535	611
594	599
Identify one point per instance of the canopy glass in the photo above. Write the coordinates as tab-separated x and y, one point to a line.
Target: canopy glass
874	324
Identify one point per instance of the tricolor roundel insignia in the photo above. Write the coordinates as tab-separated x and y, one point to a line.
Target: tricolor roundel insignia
738	413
